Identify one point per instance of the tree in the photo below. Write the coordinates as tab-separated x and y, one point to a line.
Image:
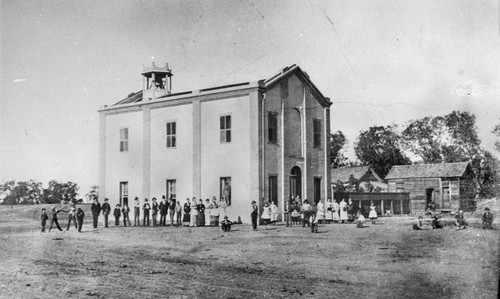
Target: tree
422	138
21	192
496	131
490	176
337	143
58	191
379	147
93	193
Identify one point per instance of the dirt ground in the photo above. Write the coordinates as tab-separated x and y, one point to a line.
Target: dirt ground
386	260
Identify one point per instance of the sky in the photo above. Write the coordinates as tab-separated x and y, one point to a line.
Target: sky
380	62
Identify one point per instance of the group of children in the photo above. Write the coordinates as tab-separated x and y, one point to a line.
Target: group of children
74	215
460	222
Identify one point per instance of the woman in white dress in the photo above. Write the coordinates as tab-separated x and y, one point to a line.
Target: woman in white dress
194	212
266	213
328	210
335	214
343	211
274	213
373	213
320	214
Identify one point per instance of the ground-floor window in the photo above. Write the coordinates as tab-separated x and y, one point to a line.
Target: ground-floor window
124	193
171	186
273	189
225	189
317	190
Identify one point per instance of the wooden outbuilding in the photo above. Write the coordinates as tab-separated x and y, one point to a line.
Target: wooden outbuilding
441	187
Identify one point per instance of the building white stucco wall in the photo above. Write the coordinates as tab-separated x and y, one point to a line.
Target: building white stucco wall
172	163
123	166
231	159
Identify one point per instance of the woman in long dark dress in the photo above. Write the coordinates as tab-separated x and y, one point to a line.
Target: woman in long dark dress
201	214
187	210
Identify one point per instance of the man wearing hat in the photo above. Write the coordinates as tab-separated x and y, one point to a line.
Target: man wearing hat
96	210
106	209
146	207
137	211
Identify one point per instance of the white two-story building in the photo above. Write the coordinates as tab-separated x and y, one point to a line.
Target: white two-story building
265	141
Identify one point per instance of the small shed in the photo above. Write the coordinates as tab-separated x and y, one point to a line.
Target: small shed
441	187
364	174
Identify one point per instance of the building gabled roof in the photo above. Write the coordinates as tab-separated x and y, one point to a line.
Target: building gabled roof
427	170
266	84
358	172
303	76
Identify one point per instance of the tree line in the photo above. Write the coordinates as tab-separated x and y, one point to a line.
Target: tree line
449	138
32	192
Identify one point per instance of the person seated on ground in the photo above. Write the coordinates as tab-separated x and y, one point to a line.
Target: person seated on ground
459	220
487	218
435	223
361	219
418	225
226	224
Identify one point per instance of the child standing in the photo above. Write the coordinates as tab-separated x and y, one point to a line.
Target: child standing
117	214
79	217
178	214
373	213
72	216
126	211
43	218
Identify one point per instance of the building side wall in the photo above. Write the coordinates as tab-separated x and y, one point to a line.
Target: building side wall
123	166
233	159
173	163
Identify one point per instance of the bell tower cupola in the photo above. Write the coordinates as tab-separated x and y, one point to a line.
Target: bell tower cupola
157	82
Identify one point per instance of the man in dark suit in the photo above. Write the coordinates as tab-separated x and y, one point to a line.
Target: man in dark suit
96	210
154	206
163	210
106	209
171	210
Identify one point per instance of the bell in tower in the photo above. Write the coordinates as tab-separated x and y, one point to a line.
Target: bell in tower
157	82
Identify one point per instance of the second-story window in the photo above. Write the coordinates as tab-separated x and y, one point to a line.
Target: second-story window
317	132
171	135
225	129
272	126
124	140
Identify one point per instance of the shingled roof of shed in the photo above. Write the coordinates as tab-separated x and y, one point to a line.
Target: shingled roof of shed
343	174
427	170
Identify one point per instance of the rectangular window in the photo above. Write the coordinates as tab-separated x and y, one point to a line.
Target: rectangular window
225	129
171	134
317	132
124	193
400	187
284	88
272	125
124	140
317	190
171	193
225	190
273	189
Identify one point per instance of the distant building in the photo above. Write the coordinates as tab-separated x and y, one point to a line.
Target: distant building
445	186
264	140
363	174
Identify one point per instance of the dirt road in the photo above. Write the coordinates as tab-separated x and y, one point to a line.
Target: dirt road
387	260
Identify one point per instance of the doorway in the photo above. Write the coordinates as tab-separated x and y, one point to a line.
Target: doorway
296	183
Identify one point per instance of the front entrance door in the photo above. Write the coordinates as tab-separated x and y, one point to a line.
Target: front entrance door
296	183
446	198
